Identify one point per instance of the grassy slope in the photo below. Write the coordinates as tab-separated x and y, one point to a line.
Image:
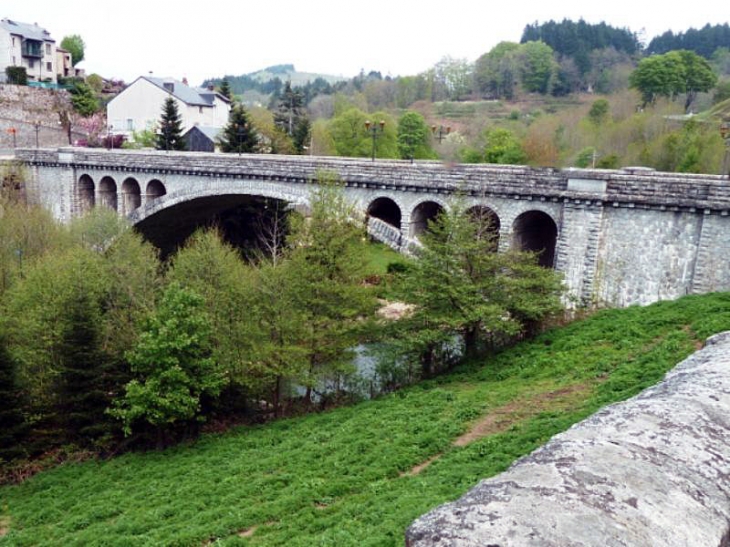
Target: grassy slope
342	477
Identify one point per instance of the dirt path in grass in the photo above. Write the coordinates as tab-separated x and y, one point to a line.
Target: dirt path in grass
520	409
4	526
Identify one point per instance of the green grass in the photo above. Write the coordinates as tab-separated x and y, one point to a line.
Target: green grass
341	478
379	256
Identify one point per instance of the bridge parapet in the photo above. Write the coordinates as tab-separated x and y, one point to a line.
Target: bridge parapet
631	185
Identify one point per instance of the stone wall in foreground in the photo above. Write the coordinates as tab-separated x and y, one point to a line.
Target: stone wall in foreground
651	471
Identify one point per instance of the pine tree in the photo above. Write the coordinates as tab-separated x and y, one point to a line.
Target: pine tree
225	90
169	136
12	424
239	135
291	118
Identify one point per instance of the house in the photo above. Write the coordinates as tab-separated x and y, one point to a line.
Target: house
202	139
139	106
29	46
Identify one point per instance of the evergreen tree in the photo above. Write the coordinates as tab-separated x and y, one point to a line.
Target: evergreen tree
169	136
225	90
290	117
239	135
12	424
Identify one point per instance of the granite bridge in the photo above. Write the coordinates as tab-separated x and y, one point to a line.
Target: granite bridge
631	236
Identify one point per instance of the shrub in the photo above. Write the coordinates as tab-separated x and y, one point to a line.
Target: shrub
17	75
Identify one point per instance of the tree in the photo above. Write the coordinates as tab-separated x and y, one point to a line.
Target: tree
413	137
537	67
289	110
460	285
599	112
239	135
351	137
172	367
225	89
496	72
503	147
672	74
83	99
12	422
75	45
169	136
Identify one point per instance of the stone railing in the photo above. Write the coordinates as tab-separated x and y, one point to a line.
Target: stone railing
627	186
653	471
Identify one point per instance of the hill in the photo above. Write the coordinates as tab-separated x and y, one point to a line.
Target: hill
360	475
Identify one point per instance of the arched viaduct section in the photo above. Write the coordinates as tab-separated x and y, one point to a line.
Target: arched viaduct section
624	237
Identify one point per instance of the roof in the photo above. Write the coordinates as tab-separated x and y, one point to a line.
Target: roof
210	132
31	32
185	93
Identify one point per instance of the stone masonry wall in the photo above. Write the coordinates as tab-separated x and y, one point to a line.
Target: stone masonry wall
651	471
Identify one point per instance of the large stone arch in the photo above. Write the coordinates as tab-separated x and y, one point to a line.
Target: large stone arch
131	195
488	222
155	190
536	231
86	193
108	193
387	210
423	212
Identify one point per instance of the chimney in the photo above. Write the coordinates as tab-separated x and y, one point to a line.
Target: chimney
211	87
185	81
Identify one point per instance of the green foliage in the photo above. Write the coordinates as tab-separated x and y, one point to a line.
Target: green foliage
83	99
171	365
672	74
225	89
75	45
351	137
609	161
537	68
300	481
413	137
145	138
12	422
496	73
599	112
460	285
586	157
169	136
704	41
17	75
239	135
722	92
503	147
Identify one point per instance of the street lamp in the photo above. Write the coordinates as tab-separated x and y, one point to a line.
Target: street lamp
110	136
374	130
13	131
441	132
37	127
240	130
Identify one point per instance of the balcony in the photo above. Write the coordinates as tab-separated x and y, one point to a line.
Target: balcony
32	48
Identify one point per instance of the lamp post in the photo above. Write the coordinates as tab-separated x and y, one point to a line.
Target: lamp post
725	134
37	127
374	130
440	132
110	136
13	131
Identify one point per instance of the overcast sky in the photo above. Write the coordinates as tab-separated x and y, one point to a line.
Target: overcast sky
210	38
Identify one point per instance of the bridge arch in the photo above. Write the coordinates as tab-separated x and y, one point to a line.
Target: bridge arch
131	195
425	211
387	210
108	193
536	231
86	193
155	190
487	221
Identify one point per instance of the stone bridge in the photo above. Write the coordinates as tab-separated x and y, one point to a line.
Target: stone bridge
623	237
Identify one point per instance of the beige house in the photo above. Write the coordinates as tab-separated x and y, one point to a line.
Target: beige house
29	46
139	106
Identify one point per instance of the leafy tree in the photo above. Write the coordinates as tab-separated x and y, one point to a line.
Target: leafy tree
537	67
351	137
75	45
460	285
496	72
503	147
12	421
452	79
413	137
170	136
84	99
271	139
172	367
672	74
599	111
17	75
239	135
327	268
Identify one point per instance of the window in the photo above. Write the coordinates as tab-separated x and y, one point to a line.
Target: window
31	63
49	67
13	41
130	124
48	50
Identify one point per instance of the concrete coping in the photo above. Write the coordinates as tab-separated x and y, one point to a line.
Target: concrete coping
650	471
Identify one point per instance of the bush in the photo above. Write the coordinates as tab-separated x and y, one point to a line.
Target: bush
17	75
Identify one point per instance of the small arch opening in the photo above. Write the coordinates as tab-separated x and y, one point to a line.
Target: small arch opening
155	189
108	193
424	213
386	210
131	195
536	231
86	194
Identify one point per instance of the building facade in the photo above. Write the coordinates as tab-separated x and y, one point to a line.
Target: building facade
30	46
